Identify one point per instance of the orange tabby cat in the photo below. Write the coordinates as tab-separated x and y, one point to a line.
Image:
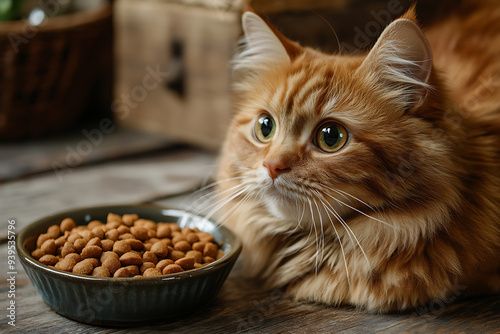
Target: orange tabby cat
369	180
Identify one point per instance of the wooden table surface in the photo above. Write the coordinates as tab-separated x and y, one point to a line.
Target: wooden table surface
241	305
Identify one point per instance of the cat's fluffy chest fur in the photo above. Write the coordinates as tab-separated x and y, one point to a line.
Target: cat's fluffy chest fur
350	179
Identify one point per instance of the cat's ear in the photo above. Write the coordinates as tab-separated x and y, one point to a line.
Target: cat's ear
401	62
264	44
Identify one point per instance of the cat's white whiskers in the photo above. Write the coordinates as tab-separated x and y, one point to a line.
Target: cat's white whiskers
201	202
225	200
359	211
230	212
349	231
340	243
213	184
341	192
298	215
316	265
322	236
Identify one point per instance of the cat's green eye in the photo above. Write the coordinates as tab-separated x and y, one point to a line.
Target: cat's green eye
264	128
331	137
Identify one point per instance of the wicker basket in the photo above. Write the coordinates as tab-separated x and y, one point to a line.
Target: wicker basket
47	72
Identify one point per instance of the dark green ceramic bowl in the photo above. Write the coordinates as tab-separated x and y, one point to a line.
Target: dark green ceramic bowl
126	301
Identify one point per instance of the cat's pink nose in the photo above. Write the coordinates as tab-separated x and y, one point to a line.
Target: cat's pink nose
275	168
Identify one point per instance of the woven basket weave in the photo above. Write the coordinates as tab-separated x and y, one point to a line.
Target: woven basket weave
47	72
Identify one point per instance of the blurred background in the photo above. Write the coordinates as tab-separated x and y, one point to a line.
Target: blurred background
132	99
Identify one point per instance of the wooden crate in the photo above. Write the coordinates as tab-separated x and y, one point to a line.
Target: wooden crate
194	44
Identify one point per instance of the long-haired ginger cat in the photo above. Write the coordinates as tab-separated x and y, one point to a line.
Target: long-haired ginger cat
370	180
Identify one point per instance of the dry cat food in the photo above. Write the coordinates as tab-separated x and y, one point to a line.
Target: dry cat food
126	246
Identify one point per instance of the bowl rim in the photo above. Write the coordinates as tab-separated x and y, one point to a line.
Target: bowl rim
26	257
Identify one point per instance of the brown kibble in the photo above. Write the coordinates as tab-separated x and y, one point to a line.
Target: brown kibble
49	247
112	234
177	238
146	223
107	245
134	270
151	272
91	251
160	249
112	225
114	217
41	239
112	264
163	231
210	250
129	219
74	256
206	237
121	247
163	263
67	248
79	244
84	267
196	255
192	238
186	263
98	232
131	258
199	246
95	223
95	262
122	272
123	229
86	235
152	241
101	272
49	259
220	253
168	241
67	224
140	233
60	241
136	245
182	246
107	255
149	257
65	264
147	265
176	255
174	227
54	231
125	246
172	269
77	229
74	237
186	230
126	236
208	259
95	242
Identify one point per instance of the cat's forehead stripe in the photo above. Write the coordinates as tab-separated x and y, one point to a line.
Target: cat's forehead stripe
293	85
307	88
